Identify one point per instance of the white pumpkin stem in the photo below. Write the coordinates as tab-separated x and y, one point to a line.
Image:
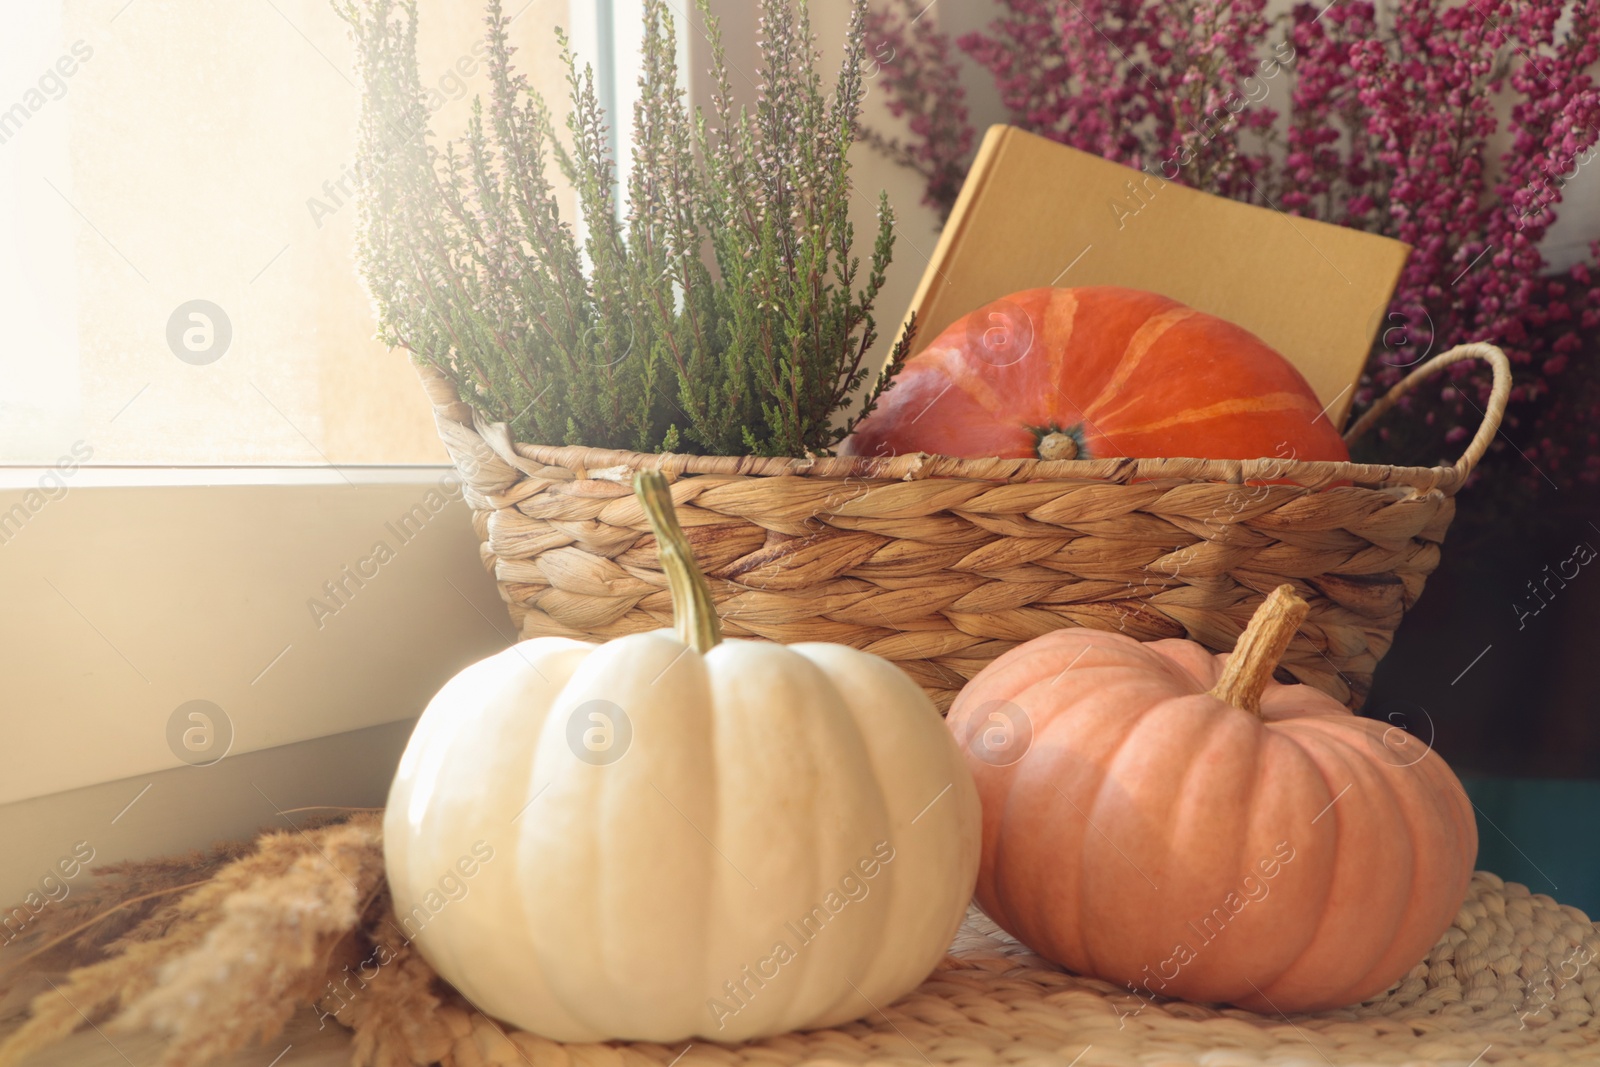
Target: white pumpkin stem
1260	648
694	616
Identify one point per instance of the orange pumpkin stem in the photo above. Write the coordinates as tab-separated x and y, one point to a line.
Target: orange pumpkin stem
1260	648
1057	446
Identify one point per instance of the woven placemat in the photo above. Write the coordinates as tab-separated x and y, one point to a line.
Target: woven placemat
1511	981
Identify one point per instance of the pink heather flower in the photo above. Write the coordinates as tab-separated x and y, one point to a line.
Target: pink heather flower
912	61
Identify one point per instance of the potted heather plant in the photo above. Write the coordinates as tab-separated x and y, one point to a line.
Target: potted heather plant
723	311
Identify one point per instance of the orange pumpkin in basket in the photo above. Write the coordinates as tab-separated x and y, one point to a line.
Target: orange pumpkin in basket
1093	373
1178	822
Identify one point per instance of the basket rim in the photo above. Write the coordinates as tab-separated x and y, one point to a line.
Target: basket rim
916	466
610	463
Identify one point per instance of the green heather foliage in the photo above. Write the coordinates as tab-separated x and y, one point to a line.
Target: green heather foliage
721	311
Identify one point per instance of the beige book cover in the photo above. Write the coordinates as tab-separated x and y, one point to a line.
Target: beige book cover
1035	213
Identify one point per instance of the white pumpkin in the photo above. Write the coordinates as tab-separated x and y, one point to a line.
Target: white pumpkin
669	836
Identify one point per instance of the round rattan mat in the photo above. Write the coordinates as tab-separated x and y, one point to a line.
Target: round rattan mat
1510	982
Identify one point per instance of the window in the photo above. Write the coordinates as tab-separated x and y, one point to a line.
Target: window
177	282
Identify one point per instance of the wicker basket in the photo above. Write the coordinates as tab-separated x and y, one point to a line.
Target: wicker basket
942	564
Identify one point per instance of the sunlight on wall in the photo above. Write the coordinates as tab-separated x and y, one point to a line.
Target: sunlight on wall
201	153
39	394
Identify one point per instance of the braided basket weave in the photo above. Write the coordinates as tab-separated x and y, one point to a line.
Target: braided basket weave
942	564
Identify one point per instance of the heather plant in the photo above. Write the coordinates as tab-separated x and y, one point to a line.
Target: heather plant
721	310
1420	129
1172	87
1453	126
923	83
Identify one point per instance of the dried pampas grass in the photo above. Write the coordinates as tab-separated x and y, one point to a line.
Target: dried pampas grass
393	1003
267	951
118	902
218	949
133	899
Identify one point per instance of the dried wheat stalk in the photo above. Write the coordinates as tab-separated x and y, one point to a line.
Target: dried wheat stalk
266	930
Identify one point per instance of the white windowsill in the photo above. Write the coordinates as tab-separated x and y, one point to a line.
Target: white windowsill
135	590
20	476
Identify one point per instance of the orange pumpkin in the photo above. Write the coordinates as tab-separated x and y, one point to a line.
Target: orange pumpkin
1180	823
1097	372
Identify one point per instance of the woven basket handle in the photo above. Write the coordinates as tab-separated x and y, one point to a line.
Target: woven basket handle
1498	395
